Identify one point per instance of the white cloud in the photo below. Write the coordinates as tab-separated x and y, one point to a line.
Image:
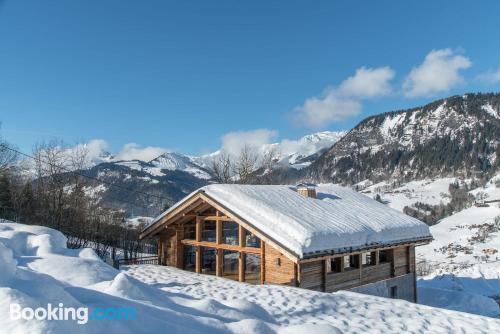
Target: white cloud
439	72
367	82
344	101
233	142
132	151
490	77
96	147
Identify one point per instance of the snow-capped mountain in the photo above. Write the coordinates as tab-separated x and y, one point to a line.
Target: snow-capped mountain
301	153
457	135
172	175
177	161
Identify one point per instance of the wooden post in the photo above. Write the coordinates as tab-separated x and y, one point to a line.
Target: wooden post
391	259
296	274
262	262
218	229
198	259
241	267
199	228
360	265
241	236
219	261
377	258
324	274
160	251
179	249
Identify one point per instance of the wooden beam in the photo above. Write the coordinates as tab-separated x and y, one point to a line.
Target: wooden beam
222	218
190	204
209	244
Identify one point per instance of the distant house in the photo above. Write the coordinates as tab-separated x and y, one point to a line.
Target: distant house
323	238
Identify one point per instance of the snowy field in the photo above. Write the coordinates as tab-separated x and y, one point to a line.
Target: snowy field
38	269
431	192
463	260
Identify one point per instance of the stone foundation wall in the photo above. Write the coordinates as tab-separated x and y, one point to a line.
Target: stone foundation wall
401	287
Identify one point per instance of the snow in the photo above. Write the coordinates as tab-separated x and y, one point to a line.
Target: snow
176	161
296	309
38	269
292	153
429	191
490	110
338	218
463	260
139	221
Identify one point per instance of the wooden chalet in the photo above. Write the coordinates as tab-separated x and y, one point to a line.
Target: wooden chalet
323	238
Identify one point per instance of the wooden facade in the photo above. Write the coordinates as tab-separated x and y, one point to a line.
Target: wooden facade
204	237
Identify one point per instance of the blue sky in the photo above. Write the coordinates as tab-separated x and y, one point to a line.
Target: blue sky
180	75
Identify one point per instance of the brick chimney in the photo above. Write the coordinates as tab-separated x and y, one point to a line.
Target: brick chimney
307	190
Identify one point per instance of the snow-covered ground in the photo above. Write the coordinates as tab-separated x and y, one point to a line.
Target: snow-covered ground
463	261
38	269
431	192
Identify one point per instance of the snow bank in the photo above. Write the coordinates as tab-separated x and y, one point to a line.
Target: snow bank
297	310
7	263
37	269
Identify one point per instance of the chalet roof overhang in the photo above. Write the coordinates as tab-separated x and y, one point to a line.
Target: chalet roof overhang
366	248
201	200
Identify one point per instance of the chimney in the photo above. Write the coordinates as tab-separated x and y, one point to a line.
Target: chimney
307	190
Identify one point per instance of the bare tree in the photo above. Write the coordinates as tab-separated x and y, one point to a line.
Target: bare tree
246	164
7	156
221	168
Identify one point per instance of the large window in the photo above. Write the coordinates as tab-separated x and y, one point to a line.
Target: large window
208	260
208	232
230	264
230	233
251	240
334	265
351	262
252	268
190	230
189	258
384	256
368	259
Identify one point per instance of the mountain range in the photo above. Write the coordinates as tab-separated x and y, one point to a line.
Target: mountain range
458	135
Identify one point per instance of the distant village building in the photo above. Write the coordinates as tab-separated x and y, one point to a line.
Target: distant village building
323	238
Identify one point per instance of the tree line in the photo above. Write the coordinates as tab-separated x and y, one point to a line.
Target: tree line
46	190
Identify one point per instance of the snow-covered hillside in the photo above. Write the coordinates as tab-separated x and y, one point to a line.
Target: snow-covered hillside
462	264
458	134
38	269
177	161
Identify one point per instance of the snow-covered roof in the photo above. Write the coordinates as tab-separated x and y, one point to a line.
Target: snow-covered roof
338	218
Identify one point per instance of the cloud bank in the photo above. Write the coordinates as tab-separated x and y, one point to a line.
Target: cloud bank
133	151
439	72
344	101
234	142
490	77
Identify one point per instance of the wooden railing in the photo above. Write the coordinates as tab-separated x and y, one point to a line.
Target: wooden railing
136	260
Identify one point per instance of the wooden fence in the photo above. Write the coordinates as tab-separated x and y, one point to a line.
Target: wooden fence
135	260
